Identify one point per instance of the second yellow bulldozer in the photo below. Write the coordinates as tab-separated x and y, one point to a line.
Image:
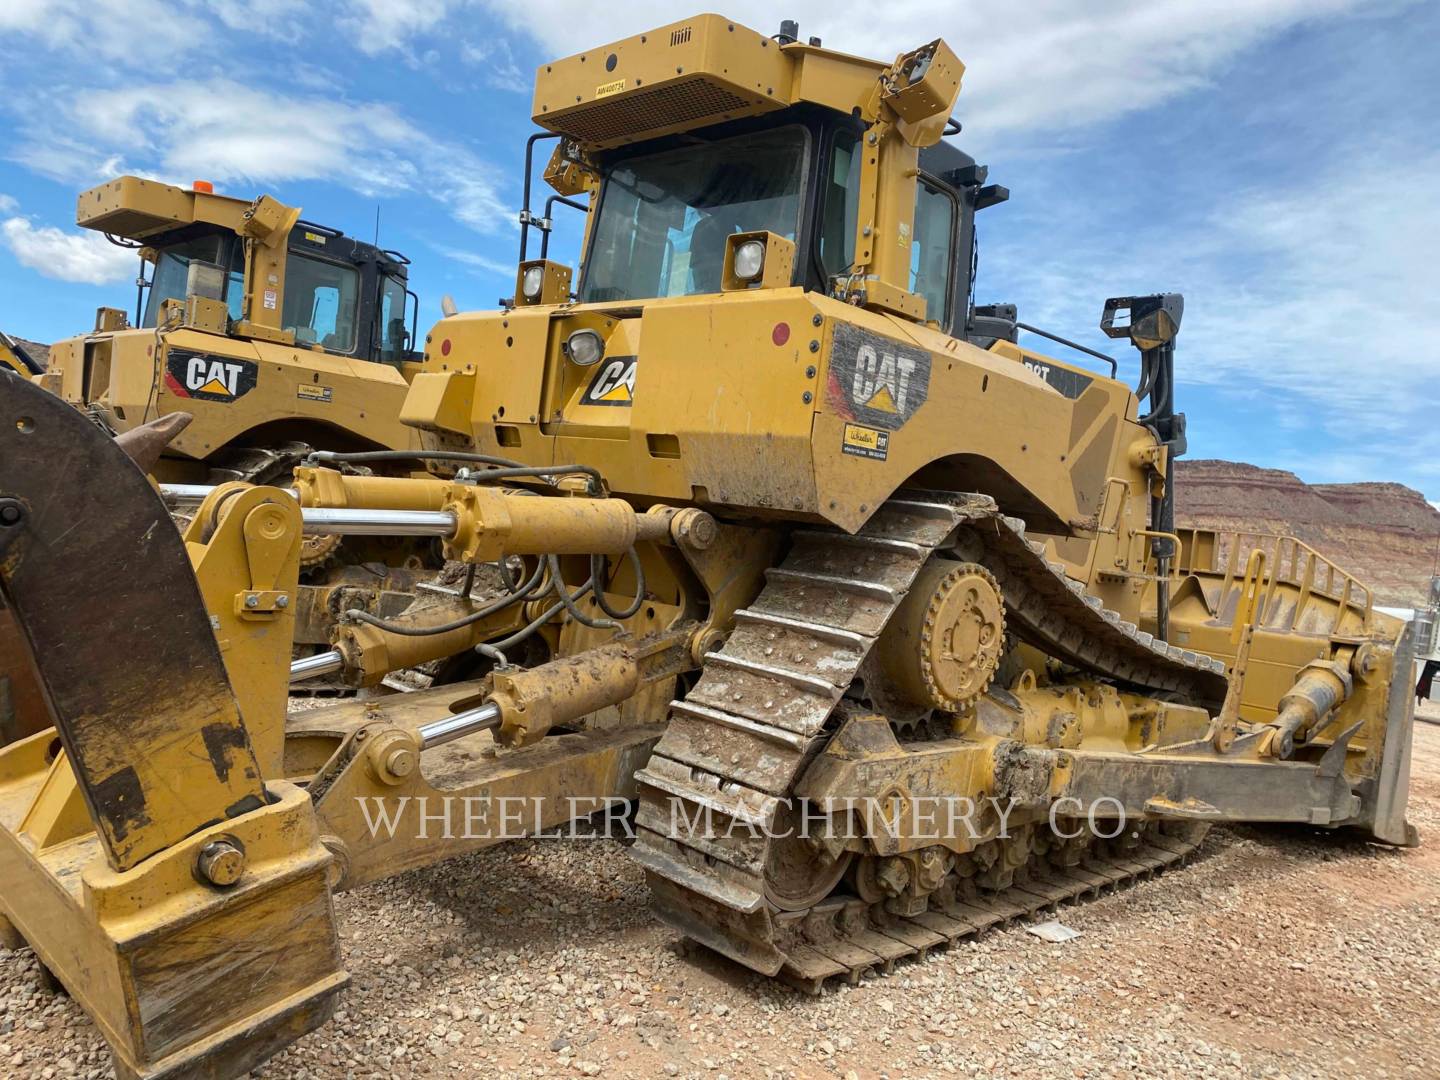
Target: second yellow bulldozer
277	337
877	617
276	334
15	356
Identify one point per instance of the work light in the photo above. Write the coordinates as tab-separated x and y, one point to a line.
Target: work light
585	347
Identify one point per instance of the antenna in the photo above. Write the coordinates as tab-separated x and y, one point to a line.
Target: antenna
377	224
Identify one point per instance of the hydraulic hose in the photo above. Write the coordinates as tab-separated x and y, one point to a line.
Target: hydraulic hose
597	575
406	630
568	599
502	468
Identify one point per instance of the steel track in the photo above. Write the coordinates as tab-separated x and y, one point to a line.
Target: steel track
738	743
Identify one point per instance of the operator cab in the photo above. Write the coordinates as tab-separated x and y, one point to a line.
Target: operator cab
346	296
666	207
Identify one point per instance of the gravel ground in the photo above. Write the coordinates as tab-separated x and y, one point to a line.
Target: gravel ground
1279	952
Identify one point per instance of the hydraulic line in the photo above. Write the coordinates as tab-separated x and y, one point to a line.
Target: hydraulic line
406	630
362	456
569	601
597	574
497	648
503	468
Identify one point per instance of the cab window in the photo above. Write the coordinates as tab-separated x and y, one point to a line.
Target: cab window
931	259
841	197
320	303
664	217
172	271
392	344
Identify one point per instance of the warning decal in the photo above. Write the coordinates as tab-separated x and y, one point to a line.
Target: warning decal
875	379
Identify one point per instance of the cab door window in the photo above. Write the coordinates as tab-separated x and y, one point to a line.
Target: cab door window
392	343
321	301
932	245
840	205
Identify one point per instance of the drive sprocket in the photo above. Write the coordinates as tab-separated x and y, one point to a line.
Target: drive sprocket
944	646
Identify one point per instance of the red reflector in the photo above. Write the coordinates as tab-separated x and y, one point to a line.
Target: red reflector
781	333
445	347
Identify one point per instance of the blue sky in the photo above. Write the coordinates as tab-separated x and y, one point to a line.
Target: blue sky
1278	161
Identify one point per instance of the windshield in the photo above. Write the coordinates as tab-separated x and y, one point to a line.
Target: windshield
664	217
172	270
320	302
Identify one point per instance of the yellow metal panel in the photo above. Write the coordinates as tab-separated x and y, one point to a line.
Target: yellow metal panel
688	74
276	382
440	401
136	208
832	79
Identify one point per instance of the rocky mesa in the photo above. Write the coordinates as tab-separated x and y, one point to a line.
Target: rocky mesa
1385	534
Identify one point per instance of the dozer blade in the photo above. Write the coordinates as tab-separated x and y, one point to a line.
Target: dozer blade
22	705
1385	803
123	670
178	896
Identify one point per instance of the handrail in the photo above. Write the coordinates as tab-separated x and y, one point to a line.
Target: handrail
1292	562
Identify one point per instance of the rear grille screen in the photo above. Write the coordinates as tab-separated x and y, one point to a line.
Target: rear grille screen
126	222
634	114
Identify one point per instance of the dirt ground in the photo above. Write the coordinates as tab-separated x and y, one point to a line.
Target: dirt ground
1278	952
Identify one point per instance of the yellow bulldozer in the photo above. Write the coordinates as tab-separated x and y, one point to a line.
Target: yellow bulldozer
876	618
15	356
258	338
275	334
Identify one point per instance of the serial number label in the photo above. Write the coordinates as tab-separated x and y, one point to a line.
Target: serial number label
606	89
865	442
314	393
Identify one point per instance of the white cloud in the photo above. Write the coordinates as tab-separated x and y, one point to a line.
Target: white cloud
1043	65
1315	300
158	29
378	25
84	257
273	18
243	137
504	268
115	30
7	203
496	62
1349	292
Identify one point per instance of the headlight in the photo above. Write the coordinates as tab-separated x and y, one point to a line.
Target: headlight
533	282
585	347
749	260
